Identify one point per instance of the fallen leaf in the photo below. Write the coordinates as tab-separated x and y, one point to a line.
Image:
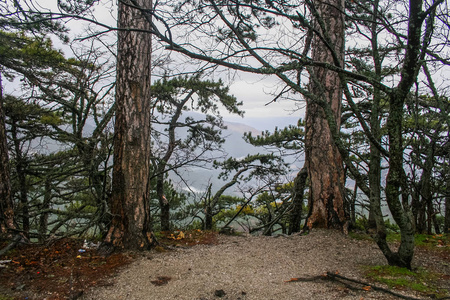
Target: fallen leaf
367	288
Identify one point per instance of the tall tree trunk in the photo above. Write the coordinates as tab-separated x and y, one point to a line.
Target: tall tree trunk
375	156
6	204
395	186
447	207
129	203
352	204
323	160
22	179
418	210
425	185
164	204
208	217
295	217
396	196
376	220
43	218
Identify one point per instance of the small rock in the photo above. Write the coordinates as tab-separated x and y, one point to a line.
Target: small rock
76	295
219	293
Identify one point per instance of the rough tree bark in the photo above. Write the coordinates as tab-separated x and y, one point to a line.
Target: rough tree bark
396	190
6	204
375	214
323	160
130	226
425	186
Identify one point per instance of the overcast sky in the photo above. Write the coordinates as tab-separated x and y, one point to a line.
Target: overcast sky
260	110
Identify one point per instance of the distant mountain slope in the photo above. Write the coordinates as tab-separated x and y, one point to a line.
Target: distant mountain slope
241	128
265	123
235	145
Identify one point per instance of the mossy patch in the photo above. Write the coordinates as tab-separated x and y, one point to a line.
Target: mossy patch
420	280
439	242
360	236
435	241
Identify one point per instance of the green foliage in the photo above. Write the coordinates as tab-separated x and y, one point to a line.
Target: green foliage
258	164
24	17
229	206
174	96
51	119
435	242
30	119
69	183
391	227
291	137
178	201
76	7
170	91
361	223
30	56
195	225
360	236
81	207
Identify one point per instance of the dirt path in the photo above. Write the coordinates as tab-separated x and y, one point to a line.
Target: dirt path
248	268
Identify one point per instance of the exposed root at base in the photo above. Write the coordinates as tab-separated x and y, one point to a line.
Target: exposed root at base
353	284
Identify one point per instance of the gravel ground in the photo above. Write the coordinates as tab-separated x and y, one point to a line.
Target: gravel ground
247	267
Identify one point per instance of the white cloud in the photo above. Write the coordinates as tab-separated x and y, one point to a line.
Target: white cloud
258	93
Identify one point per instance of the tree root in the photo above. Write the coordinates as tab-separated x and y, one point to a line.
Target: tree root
347	283
342	279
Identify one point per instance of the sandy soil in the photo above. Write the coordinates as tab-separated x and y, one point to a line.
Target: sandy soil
249	268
